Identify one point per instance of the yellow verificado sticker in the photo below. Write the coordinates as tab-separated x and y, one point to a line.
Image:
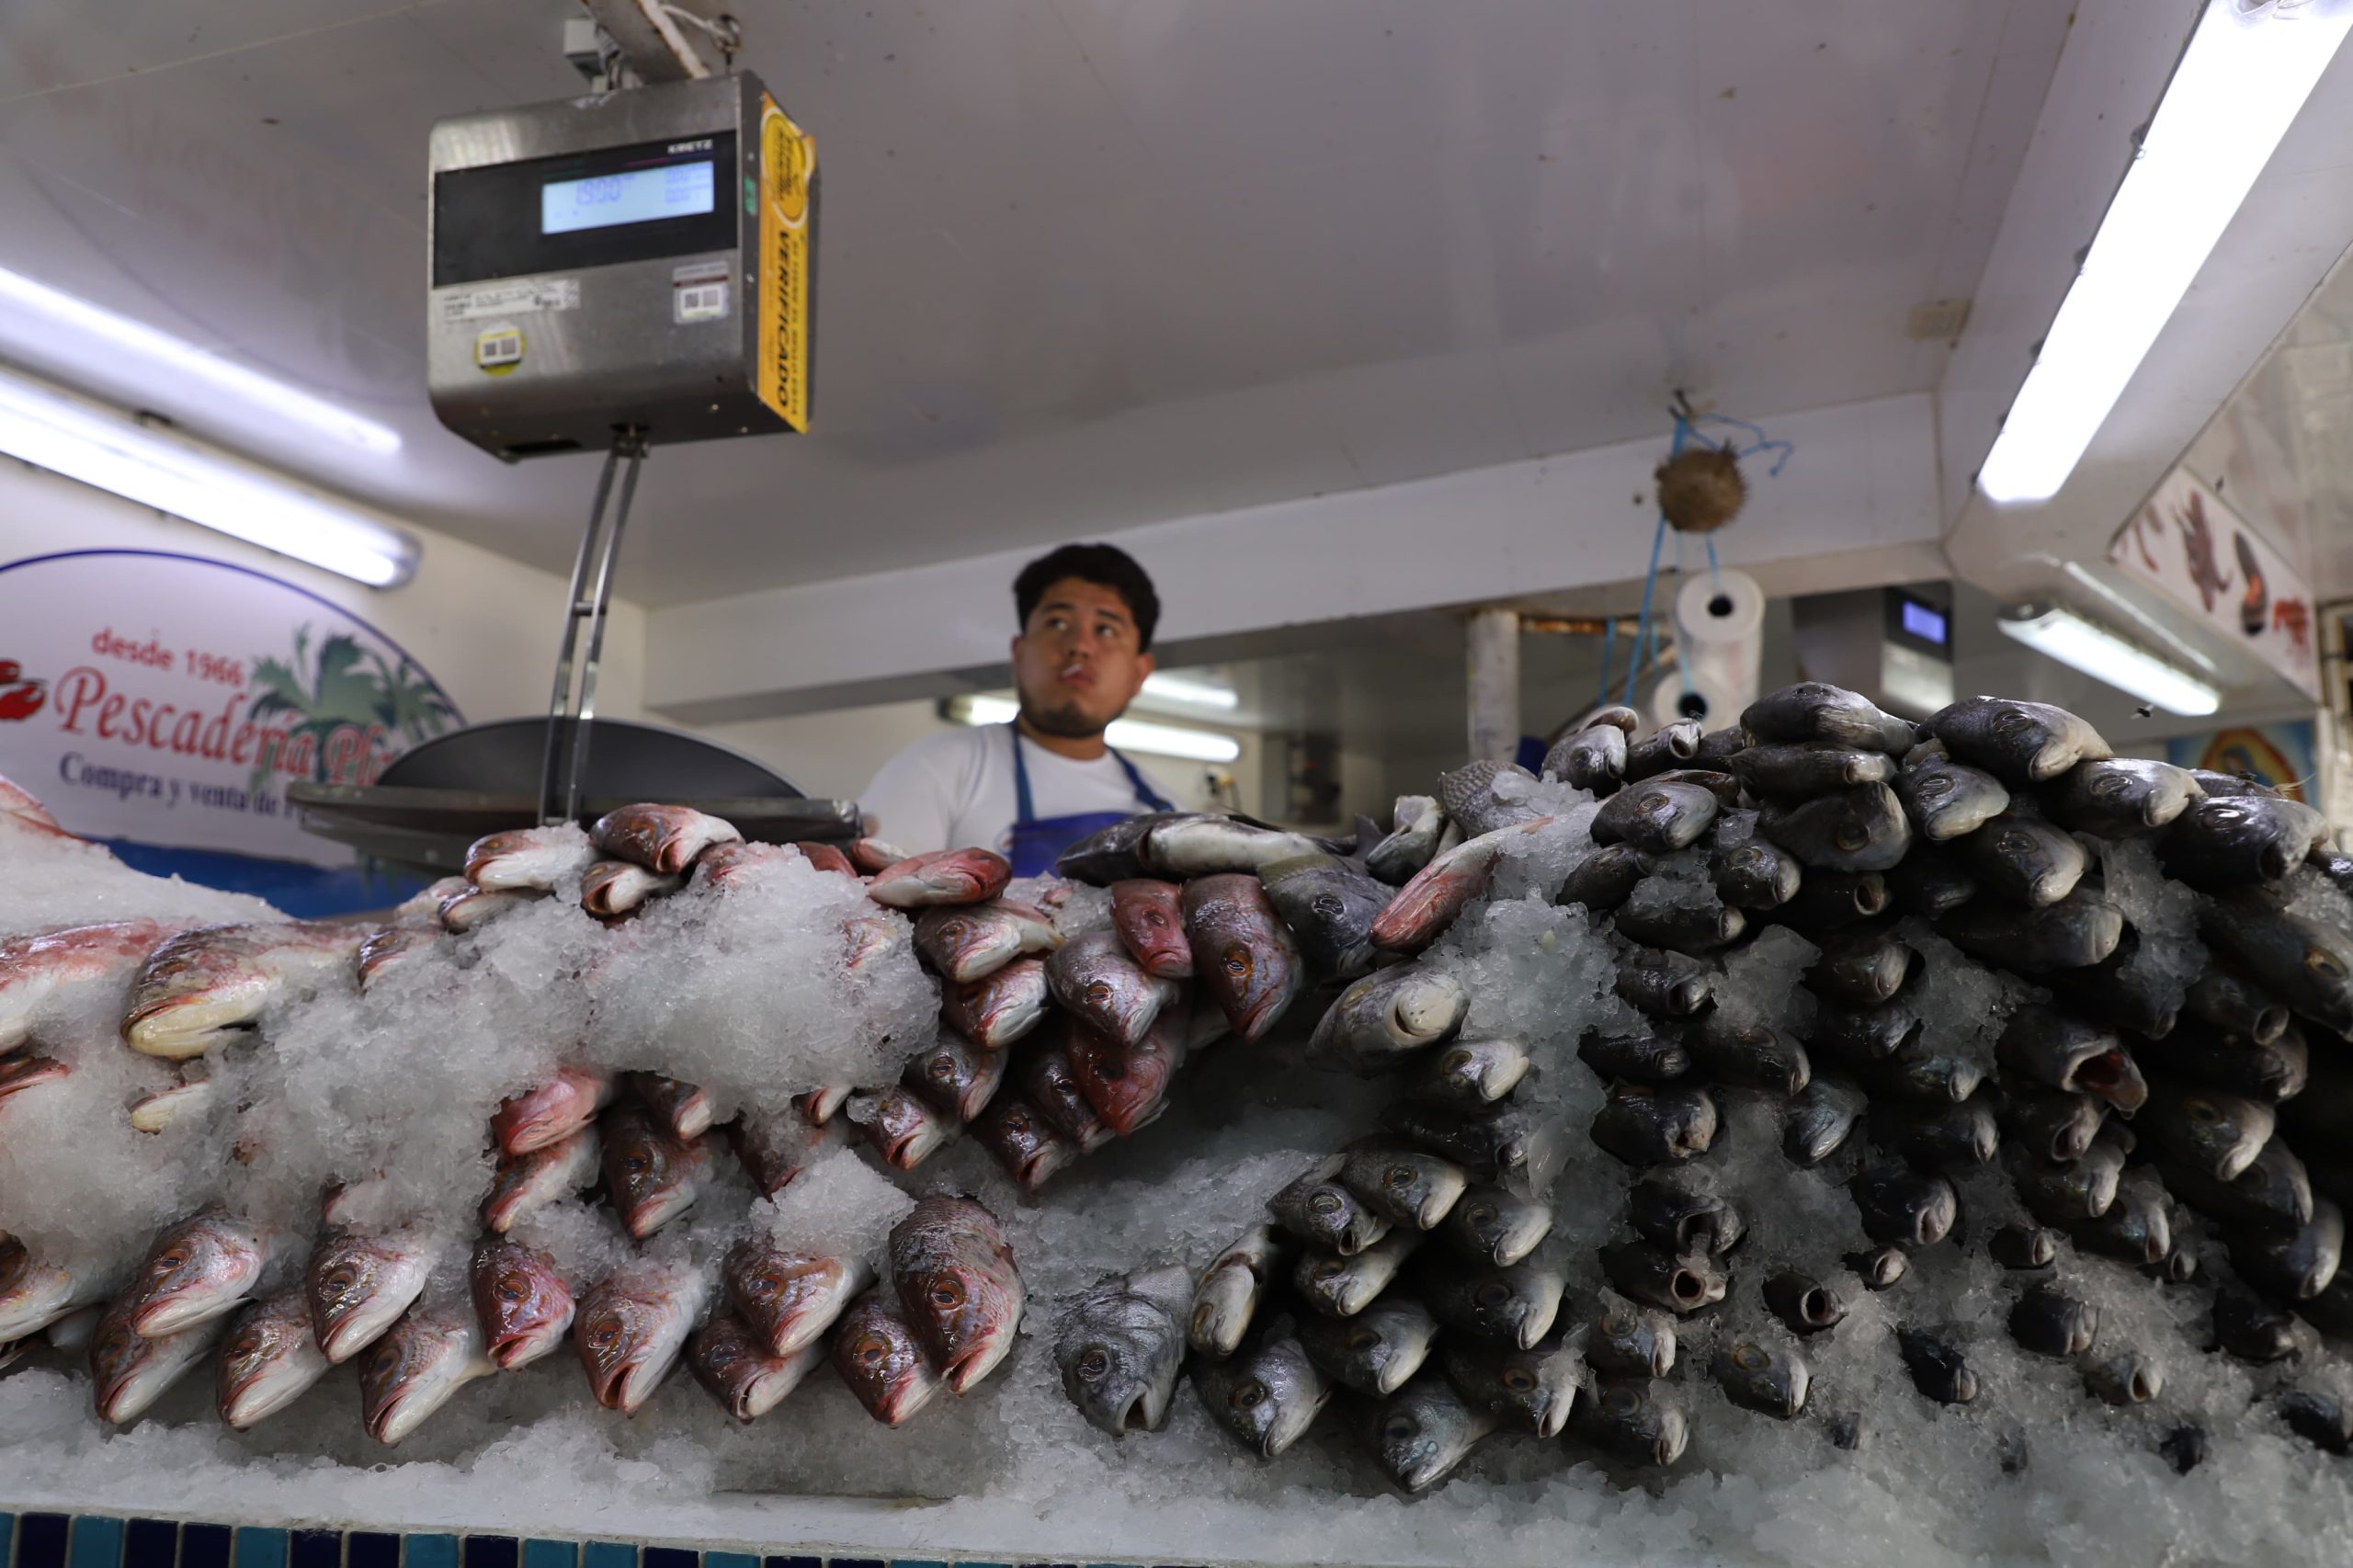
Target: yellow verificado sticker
788	179
499	349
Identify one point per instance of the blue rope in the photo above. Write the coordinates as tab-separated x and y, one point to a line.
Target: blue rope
1714	577
1650	578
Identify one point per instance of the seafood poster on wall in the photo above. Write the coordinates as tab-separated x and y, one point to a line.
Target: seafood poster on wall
168	699
2279	754
2211	562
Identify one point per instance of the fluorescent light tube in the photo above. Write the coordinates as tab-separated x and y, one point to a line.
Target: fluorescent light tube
168	358
1190	692
2239	86
2067	637
1125	734
54	429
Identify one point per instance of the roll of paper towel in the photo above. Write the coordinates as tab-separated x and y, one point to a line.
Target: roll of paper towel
1719	634
1717	703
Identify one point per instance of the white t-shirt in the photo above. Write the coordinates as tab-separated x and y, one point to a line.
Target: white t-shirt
955	789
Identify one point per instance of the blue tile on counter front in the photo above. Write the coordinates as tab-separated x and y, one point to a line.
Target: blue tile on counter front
151	1543
432	1552
794	1563
608	1554
40	1541
856	1563
259	1546
204	1546
315	1549
551	1554
371	1549
730	1560
491	1550
671	1557
98	1542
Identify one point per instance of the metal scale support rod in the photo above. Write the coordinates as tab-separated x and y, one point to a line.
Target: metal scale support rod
561	775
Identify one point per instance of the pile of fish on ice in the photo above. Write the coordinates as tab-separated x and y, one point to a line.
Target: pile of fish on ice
1964	1048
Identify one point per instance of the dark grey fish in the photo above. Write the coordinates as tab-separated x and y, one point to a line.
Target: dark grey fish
1757	1375
1470	795
1641	1058
1723	786
2236	1005
1329	906
1915	1070
1946	799
2025	859
2062	1194
1665	992
1602	880
1755	874
1879	1269
1230	1289
1679	917
1820	1117
2049	1322
1930	883
1749	1055
1120	1345
1900	1206
1716	746
1633	1419
2273	1195
1511	1305
2018	742
1645	1124
2179	1268
2120	797
1803	1302
1114	854
1795	769
1471	1073
2305	963
1418	825
1674	1214
2206	1129
2295	1267
2318	1417
1857	829
1657	818
2231	786
1863	966
2184	1447
2079	930
1859	1035
1495	1226
1265	1397
1826	901
2331	1309
1343	1287
2270	1071
2126	993
2252	1329
1404	1186
1937	1366
1318	1208
1594	758
2225	843
1631	1341
1425	1431
2023	1247
1530	1390
2048	1124
1389	1017
1644	1273
1669	746
2045	1047
1496	1142
1936	1136
1375	1351
2137	1228
1815	710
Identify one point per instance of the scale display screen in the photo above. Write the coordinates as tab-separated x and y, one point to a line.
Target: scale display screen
633	196
1923	623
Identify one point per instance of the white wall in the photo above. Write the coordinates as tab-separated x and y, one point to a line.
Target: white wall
485	626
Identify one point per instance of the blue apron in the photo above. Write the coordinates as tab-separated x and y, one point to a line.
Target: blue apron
1036	842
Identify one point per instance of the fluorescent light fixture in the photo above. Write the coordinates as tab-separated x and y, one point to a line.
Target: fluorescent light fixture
2230	100
167	356
1125	734
2102	655
1190	692
54	429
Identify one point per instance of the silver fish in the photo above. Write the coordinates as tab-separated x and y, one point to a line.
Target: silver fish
1645	1124
1319	1208
1755	874
1405	1187
1759	1375
1631	1341
2124	1376
2120	797
1904	1207
2063	1193
1329	908
1485	795
2273	1195
1471	1073
2294	1268
1530	1390
1814	710
1938	1367
2136	1229
268	1360
1604	879
1512	1305
1947	800
1750	1056
1935	1135
1671	745
2207	1130
1205	846
1640	1059
1682	917
1268	1396
1665	991
2018	742
2231	1002
1646	1274
1375	1351
2077	930
1796	769
1634	1419
2305	963
1119	1346
2049	1125
2023	1247
1389	1016
1656	818
1803	1302
1862	828
1678	1215
1343	1287
2271	1071
1425	1430
2049	1322
414	1368
1114	854
2224	843
1417	825
2024	858
1230	1289
1818	1119
1495	1226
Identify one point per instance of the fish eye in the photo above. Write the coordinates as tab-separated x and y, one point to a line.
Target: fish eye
1622	1400
1519	1379
603	1336
943	1067
1400	1427
1330	1268
1852	836
2324	961
1748	1358
341	1279
636	1163
1094	1364
172	1262
1493	1293
1326	904
1249	1395
1656	801
514	1284
1362	1338
948	1291
954	930
1237	962
1617	1326
1326	1203
1481	1213
873	1350
2202	1109
1398	1175
1099	992
1456	1062
1934	785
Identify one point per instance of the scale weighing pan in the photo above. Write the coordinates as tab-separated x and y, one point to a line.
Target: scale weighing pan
432	802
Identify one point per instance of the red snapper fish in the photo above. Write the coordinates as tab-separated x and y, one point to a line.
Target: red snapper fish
1243	952
553	1111
878	1356
631	1327
521	1304
201	1268
956	1281
1148	916
747	1378
205	987
531	860
965	942
996	1010
54	972
429	1355
269	1358
524	1184
945	875
790	1296
661	838
1437	892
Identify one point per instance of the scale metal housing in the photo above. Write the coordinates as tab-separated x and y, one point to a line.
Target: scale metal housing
643	260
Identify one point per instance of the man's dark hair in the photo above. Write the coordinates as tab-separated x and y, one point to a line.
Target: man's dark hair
1103	565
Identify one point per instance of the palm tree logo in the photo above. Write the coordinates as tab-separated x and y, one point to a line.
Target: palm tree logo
346	684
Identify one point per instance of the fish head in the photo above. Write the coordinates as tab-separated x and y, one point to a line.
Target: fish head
729	1362
1764	1379
620	1335
31	1292
268	1360
358	1285
194	1270
1639	1338
878	1357
122	1366
972	1315
1541	1386
654	1175
1118	1381
1255	1408
522	1304
788	1296
404	1375
1414	1450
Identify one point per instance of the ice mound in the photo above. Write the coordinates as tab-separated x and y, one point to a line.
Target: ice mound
49	882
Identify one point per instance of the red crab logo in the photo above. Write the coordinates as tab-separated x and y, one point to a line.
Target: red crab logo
19	697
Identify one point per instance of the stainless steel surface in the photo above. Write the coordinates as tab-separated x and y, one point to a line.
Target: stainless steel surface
1843	638
560	774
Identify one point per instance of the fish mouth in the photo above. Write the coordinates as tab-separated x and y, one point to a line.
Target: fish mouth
126	1398
1143	1412
399	1415
521	1347
644	1221
258	1395
974	1362
183	1310
352	1329
177	1031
